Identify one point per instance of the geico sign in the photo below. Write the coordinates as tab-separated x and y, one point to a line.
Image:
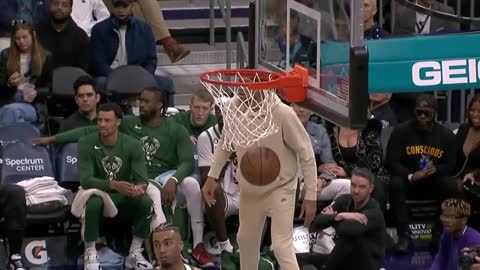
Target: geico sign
430	73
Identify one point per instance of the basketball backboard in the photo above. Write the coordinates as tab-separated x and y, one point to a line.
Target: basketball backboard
320	36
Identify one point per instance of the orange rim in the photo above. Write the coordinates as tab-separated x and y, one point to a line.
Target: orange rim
268	80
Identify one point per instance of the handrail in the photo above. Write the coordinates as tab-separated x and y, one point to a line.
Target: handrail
226	12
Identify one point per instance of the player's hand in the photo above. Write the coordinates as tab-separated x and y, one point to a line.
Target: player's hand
139	190
169	192
44	140
193	140
309	208
359	217
208	191
122	187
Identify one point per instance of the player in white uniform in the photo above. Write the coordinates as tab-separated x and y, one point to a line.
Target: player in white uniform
227	195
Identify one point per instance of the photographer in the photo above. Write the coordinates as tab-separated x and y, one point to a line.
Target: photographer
456	234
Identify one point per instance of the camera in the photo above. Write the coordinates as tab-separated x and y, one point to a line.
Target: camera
467	260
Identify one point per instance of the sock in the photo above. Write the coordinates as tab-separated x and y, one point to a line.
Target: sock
166	40
90	246
225	245
137	243
197	231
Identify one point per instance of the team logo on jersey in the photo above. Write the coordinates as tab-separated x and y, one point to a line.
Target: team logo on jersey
150	147
111	165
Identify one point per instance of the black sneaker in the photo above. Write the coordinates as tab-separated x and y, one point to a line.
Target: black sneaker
16	263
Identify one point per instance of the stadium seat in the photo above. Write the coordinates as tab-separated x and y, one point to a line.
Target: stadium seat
66	164
22	160
63	79
23	132
385	137
120	83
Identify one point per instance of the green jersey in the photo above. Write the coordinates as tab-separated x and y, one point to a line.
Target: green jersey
166	146
183	118
98	163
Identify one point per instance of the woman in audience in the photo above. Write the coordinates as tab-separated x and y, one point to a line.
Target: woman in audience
468	154
358	148
24	67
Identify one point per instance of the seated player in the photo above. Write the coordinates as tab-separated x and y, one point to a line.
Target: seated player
168	246
113	162
168	151
227	195
456	234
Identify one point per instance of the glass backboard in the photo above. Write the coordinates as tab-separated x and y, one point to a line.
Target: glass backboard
316	35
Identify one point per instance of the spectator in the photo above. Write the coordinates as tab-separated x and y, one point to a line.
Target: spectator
371	29
168	246
114	163
318	135
456	234
150	12
227	195
35	11
421	156
23	64
67	42
297	54
87	98
381	110
13	210
359	226
122	40
86	13
199	118
468	140
408	21
358	148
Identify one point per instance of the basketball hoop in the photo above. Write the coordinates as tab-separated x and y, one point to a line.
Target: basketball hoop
247	115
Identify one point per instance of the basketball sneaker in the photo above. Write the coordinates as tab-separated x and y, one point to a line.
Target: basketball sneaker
201	257
90	260
16	262
136	261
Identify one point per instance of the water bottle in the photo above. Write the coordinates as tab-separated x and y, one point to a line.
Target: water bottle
424	160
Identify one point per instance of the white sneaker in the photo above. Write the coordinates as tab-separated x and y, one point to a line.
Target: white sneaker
90	260
136	261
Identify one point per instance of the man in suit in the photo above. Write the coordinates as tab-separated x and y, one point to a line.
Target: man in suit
408	21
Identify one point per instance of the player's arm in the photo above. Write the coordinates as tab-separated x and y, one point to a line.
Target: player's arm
205	155
220	157
66	137
139	169
86	165
296	137
184	153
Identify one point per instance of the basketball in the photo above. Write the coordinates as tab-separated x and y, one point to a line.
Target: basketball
260	166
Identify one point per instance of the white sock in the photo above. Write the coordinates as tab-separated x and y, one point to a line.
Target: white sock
156	196
137	243
225	245
197	232
90	246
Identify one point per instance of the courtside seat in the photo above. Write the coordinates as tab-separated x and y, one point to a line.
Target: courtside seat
22	160
23	132
66	164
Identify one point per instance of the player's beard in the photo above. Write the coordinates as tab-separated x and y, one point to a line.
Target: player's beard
147	116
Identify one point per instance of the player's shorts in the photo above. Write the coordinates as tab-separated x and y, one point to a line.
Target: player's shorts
232	204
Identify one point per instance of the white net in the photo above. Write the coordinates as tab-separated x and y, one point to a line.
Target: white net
247	114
